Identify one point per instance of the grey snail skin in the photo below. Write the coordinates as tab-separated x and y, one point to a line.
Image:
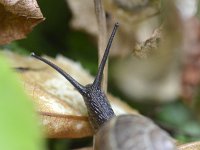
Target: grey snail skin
124	132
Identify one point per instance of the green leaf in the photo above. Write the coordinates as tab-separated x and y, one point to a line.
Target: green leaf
175	114
192	128
19	125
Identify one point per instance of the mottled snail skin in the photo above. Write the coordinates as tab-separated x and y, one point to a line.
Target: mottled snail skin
99	110
125	132
132	132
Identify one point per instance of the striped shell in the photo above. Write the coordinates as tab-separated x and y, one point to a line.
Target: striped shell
132	132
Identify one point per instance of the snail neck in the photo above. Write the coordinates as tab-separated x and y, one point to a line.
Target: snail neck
98	106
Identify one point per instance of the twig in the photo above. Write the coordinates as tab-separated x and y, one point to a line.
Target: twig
102	37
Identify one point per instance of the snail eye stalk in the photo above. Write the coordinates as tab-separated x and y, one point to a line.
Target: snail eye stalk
77	85
98	79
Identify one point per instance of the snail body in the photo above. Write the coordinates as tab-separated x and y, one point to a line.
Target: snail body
132	132
125	132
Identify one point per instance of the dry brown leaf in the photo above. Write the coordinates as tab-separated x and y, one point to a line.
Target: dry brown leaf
17	18
130	12
150	46
158	75
189	146
62	109
86	20
125	39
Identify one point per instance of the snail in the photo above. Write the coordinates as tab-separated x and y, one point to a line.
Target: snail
124	132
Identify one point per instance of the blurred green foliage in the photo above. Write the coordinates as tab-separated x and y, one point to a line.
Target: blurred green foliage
179	120
19	125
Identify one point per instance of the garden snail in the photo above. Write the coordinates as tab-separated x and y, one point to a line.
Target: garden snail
125	132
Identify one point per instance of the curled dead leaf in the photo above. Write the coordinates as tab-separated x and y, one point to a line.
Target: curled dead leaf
159	73
62	109
126	38
17	18
85	18
131	12
150	46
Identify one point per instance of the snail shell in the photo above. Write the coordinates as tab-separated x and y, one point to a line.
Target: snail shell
132	132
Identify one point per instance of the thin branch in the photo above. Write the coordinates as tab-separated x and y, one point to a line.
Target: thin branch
102	37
